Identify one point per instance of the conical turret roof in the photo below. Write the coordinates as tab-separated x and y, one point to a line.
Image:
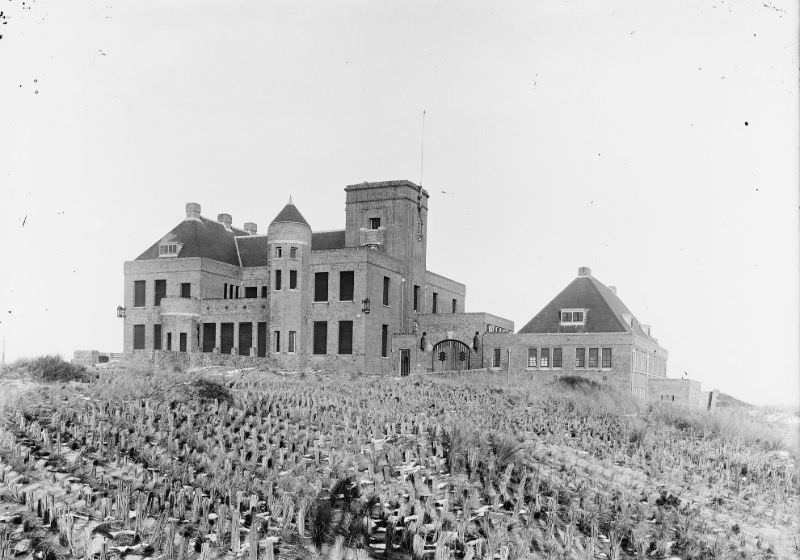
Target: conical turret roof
290	214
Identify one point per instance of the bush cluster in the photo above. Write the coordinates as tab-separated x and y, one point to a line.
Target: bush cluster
52	369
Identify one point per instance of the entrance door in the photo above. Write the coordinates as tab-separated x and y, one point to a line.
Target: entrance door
450	355
182	342
405	362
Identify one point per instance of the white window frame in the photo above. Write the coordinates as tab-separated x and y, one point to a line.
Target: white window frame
169	250
572	323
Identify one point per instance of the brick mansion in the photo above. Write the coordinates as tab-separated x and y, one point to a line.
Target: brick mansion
363	300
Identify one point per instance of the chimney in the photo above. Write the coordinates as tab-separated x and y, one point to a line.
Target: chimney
613	289
192	211
225	220
584	271
646	329
250	228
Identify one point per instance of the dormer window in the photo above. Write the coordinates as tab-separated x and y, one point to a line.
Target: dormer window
169	249
573	317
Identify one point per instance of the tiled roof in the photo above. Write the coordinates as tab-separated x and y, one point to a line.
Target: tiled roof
290	213
200	238
253	250
324	240
605	313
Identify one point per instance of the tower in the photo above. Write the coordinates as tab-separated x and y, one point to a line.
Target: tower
289	265
392	216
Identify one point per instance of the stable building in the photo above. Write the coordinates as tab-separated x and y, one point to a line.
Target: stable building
360	299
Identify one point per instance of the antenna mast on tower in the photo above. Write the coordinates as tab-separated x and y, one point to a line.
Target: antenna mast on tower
422	150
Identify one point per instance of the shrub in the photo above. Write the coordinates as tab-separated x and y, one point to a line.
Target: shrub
212	390
53	369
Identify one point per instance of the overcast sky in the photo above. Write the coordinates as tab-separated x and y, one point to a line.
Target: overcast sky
655	142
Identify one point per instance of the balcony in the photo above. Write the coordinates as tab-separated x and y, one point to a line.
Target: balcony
373	238
180	306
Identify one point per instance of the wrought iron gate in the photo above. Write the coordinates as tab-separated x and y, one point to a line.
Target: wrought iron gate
450	355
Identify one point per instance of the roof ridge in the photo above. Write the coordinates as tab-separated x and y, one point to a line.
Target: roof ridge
594	283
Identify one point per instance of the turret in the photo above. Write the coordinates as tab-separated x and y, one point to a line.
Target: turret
289	241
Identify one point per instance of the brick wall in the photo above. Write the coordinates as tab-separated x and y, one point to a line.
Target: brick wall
618	375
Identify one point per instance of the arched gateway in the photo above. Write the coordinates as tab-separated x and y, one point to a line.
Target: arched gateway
450	355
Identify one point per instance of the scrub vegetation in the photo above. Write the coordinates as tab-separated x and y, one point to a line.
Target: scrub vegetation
255	464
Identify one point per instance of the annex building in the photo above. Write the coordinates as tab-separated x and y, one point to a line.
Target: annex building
359	299
586	330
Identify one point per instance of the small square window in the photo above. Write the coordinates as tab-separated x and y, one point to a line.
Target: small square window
374	223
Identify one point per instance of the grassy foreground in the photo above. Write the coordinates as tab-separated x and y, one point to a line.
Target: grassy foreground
256	464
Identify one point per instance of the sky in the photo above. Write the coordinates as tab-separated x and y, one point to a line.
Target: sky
656	143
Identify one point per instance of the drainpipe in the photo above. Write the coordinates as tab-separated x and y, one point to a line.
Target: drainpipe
508	367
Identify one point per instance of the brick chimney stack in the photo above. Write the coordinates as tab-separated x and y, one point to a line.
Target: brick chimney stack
192	211
250	228
584	271
225	220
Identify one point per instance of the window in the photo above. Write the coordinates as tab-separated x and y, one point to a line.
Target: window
138	293
435	306
292	252
320	337
251	292
374	223
384	341
225	291
161	292
606	363
186	290
346	281
277	338
277	279
531	357
225	338
573	317
230	291
386	283
320	286
544	358
455	305
245	338
209	336
169	249
278	252
263	292
557	357
237	292
580	357
416	298
156	337
345	337
138	337
169	342
592	357
292	335
496	358
182	341
292	279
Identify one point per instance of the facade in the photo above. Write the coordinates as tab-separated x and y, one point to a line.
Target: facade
358	299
